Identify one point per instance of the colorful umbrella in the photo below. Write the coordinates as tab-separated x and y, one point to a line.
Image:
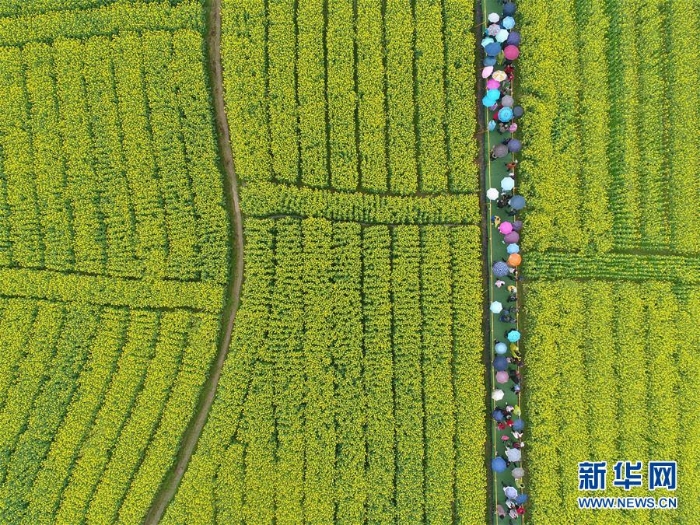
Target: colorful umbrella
496	307
505	227
492	84
486	72
494	94
511	52
499	75
500	363
493	49
514	145
513	38
497	394
505	114
514	259
502	35
498	465
518	472
513	336
500	151
493	30
500	269
508	22
513	248
501	348
511	237
507	184
507	101
492	194
502	377
513	454
517	202
493	18
518	111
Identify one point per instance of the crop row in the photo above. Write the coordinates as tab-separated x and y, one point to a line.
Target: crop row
105	20
321	410
599	166
587	362
613	265
268	199
100	430
106	196
327	99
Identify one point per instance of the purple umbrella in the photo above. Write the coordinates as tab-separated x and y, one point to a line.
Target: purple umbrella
514	145
505	228
499	268
500	362
511	238
507	101
518	111
500	151
513	38
517	225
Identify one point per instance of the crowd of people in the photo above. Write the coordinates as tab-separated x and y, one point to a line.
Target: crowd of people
501	49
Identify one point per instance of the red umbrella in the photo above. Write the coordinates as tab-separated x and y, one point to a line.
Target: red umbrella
511	52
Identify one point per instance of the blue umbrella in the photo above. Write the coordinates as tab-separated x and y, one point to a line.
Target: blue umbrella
494	94
498	415
498	465
490	61
486	41
518	111
500	363
488	101
513	336
517	202
501	348
513	38
508	22
493	49
492	125
500	269
512	247
505	114
522	498
508	9
514	145
518	425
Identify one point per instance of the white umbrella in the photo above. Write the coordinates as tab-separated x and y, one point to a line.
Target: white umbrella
513	454
496	307
493	18
518	472
510	492
502	35
497	394
507	184
492	194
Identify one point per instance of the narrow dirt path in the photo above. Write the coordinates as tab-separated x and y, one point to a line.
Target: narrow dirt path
194	430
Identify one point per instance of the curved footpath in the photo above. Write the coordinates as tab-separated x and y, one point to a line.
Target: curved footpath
194	430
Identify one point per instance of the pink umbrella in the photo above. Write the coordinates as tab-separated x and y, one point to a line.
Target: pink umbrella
502	377
513	127
493	29
511	238
505	228
486	72
492	84
511	52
